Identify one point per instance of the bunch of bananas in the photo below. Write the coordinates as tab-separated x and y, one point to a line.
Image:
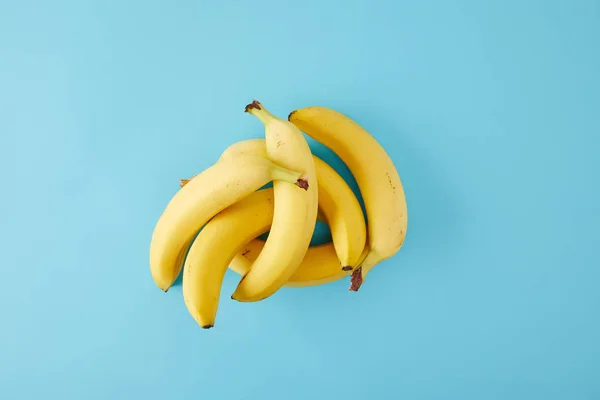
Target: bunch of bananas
214	221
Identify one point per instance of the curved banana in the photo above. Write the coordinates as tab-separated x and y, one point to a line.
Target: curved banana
207	193
338	205
319	266
214	248
295	212
224	241
375	173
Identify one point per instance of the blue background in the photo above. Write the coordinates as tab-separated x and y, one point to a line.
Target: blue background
489	110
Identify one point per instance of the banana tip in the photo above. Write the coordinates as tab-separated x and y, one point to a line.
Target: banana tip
356	280
302	183
255	104
291	114
347	268
208	326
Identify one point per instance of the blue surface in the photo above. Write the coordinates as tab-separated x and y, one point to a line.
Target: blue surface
490	111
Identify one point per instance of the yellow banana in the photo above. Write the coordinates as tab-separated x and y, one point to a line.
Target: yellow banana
214	248
207	193
294	215
375	173
338	205
319	266
227	235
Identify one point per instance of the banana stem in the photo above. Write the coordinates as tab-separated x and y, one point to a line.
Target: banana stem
260	112
356	280
279	173
364	266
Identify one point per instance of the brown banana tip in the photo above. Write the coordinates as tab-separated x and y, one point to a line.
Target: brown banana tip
290	115
302	183
255	104
346	268
207	326
356	280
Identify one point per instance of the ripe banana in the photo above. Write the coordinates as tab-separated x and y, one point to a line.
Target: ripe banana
375	173
338	205
214	248
207	193
227	235
319	266
294	215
